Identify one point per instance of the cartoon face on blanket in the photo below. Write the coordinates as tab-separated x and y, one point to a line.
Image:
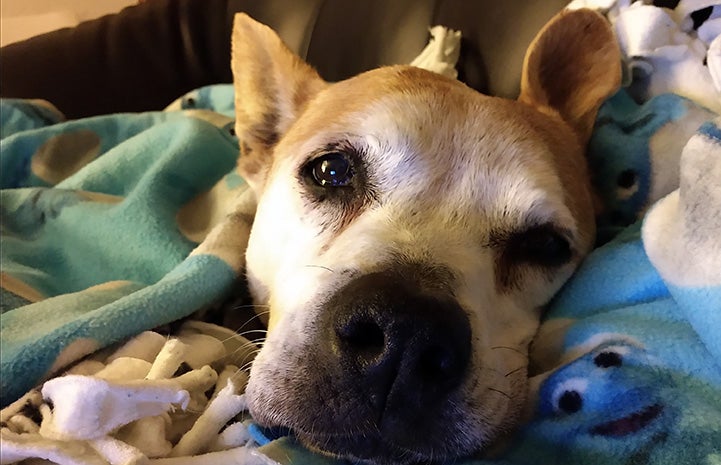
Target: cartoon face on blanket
634	154
620	403
634	376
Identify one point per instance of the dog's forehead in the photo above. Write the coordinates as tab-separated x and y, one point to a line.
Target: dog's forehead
425	115
424	136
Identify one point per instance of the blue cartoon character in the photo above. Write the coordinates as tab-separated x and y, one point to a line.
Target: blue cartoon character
618	404
218	98
634	154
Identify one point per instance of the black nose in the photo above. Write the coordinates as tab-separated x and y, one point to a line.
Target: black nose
406	348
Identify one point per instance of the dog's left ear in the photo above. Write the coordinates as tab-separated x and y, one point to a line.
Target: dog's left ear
571	67
272	87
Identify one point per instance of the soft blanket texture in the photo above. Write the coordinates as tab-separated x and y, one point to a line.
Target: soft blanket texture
99	225
115	225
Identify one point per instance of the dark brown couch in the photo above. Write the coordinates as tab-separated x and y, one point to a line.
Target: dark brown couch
147	55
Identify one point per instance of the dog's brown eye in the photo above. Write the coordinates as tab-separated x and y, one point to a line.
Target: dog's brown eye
539	245
332	170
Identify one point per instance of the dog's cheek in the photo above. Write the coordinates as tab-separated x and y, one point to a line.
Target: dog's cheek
278	235
274	371
538	285
502	330
267	378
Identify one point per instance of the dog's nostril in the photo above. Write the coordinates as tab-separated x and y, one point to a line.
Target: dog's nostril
363	336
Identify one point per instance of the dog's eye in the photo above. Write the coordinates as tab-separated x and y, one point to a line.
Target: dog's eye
539	245
332	169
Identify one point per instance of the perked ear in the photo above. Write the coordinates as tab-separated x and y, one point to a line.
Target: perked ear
571	67
272	87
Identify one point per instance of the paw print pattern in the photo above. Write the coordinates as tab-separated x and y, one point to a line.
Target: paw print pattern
63	155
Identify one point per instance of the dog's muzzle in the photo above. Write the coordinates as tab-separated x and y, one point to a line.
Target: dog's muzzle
392	356
404	348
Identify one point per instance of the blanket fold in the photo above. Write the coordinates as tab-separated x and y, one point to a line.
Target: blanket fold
109	240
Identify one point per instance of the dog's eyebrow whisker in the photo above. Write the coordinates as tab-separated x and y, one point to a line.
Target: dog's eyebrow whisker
320	266
500	392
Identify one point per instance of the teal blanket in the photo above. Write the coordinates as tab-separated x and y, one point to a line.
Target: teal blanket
101	222
118	224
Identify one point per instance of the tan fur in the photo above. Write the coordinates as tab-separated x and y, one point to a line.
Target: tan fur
451	175
573	81
267	69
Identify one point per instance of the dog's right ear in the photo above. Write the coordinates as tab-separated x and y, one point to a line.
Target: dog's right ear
272	87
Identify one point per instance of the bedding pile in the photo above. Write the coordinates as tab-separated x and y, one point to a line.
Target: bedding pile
114	228
151	397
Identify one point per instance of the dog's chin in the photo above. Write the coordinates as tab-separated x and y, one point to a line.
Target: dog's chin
397	445
371	449
411	444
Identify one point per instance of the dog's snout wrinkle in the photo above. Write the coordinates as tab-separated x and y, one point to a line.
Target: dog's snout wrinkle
408	349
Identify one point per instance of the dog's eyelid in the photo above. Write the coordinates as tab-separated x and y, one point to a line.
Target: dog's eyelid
354	153
499	237
562	232
345	147
335	176
551	228
541	244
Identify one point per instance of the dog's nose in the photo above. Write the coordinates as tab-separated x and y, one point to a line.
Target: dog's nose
406	348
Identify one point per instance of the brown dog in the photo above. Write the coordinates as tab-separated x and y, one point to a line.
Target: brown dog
408	232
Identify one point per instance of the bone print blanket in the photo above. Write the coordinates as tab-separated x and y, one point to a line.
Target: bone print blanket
117	225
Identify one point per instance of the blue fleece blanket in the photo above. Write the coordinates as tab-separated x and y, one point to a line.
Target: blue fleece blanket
118	224
101	220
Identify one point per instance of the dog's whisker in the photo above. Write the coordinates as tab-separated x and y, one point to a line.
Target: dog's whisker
245	365
500	392
513	349
241	334
258	315
487	368
253	331
322	267
252	344
247	351
250	347
522	367
244	306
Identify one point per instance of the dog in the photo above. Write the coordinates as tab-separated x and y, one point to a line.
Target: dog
408	232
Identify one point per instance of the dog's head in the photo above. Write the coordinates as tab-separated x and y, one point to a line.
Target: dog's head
408	231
